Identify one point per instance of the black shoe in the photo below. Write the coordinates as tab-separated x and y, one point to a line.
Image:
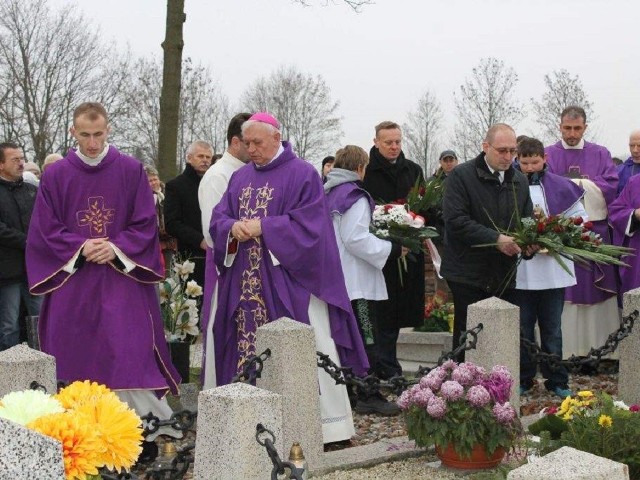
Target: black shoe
149	452
377	404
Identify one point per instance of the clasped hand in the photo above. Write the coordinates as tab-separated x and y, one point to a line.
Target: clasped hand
243	230
98	250
510	248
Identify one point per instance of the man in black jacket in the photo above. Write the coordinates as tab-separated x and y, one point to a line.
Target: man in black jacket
16	204
182	213
482	194
389	177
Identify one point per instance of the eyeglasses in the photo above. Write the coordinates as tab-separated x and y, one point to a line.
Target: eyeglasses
505	150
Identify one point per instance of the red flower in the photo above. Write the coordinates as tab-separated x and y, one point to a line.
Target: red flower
552	410
401	201
540	228
577	220
634	408
387	208
585	237
421	191
558	228
588	225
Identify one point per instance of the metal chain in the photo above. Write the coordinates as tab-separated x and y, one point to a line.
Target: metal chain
182	421
107	475
592	359
178	468
371	384
252	368
279	466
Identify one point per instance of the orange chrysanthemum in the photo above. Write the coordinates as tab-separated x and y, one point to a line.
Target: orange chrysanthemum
119	431
80	443
79	393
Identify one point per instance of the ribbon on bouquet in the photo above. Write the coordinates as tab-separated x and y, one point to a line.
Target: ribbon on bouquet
435	256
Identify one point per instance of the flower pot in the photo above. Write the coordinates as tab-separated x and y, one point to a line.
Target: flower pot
478	460
179	352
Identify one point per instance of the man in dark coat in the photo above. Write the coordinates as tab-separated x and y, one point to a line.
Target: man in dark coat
16	204
482	194
182	214
389	177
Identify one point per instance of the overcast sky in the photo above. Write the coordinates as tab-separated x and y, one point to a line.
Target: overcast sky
379	62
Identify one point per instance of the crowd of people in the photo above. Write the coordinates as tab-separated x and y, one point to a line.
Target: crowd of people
272	237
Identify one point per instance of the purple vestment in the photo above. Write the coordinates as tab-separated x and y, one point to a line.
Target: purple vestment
620	212
625	171
560	193
342	197
287	196
595	283
99	322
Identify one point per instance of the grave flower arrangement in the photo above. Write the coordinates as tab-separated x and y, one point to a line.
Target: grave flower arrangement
179	302
96	429
461	405
594	423
438	314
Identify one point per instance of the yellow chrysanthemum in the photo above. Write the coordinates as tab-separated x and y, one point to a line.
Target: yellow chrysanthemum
119	431
80	444
605	421
79	393
564	406
585	393
25	406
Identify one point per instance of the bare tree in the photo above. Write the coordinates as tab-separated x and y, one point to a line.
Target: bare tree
422	131
303	105
356	5
483	100
562	90
48	59
203	112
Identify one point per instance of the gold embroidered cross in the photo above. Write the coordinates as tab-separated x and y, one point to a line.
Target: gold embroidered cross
96	217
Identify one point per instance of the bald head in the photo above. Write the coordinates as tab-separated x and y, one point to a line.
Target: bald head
634	145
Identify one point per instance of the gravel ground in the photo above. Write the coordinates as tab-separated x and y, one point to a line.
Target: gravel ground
371	428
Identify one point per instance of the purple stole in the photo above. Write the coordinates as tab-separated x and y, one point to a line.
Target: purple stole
619	213
342	197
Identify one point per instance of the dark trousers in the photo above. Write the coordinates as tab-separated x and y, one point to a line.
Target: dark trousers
544	307
463	296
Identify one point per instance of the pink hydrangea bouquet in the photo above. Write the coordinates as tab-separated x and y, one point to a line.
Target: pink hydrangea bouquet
461	405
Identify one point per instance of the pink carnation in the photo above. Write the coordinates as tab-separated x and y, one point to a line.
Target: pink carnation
465	374
452	390
422	397
478	396
504	413
437	407
405	400
434	379
449	365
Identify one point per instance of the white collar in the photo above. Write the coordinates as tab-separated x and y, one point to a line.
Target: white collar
93	161
278	153
493	170
579	146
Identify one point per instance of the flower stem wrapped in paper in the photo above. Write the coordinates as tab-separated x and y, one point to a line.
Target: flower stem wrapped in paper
398	223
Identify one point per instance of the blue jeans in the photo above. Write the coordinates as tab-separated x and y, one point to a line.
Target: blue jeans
545	307
10	296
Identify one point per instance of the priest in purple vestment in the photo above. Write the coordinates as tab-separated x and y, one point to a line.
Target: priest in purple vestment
624	217
592	303
631	166
277	256
93	252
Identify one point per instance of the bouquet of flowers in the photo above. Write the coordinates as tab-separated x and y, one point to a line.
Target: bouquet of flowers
566	237
178	302
96	429
426	194
438	314
462	405
592	423
396	222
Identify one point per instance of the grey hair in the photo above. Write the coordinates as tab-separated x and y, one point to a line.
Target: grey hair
150	170
268	126
201	144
